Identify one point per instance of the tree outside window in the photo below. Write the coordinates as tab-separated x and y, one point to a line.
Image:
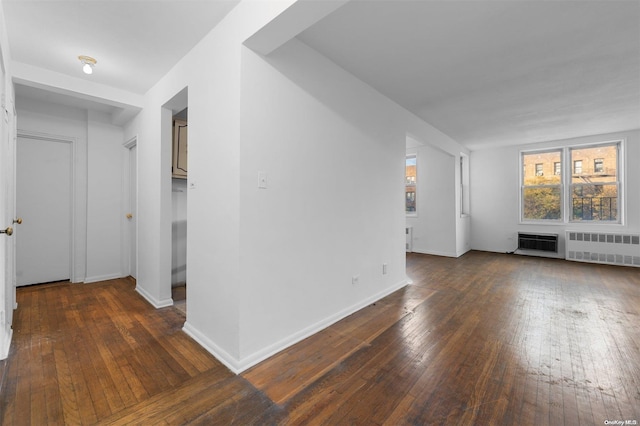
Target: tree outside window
541	195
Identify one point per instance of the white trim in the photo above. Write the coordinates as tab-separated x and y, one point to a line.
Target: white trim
6	341
106	277
156	303
220	354
238	366
437	252
125	259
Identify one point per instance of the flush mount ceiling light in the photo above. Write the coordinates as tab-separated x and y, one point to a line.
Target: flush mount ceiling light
87	63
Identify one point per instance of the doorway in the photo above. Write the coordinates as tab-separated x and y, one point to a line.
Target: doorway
175	118
131	201
179	211
44	199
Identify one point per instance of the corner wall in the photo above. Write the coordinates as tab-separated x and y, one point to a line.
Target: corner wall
99	213
268	267
434	224
495	194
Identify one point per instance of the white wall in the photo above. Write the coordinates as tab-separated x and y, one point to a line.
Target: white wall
333	206
105	217
495	192
269	266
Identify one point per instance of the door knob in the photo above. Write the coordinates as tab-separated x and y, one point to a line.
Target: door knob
18	221
129	215
8	231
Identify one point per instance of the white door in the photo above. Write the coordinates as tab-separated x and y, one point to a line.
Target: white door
133	180
43	200
7	190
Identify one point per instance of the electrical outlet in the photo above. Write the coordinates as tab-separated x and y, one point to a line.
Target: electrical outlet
384	269
355	280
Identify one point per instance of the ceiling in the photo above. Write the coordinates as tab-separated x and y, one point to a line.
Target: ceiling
487	73
494	73
135	42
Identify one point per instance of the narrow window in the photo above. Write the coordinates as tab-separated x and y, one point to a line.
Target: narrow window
539	171
410	183
557	168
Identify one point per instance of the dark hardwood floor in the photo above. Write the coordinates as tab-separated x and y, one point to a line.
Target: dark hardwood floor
483	339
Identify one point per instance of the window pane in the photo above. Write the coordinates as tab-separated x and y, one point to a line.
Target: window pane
539	168
410	184
598	165
594	202
595	164
577	167
542	203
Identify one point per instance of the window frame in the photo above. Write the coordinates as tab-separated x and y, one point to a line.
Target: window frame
566	186
618	184
414	185
523	186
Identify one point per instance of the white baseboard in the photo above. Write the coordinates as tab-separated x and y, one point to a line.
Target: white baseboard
5	344
98	278
435	252
221	355
238	366
155	302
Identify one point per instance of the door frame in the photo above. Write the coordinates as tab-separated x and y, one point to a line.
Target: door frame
126	204
74	276
7	194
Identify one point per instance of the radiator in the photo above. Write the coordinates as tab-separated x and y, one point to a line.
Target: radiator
539	242
614	249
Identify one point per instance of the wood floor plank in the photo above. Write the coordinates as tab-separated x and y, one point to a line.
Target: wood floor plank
482	339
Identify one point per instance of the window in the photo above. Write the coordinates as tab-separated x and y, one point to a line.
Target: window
598	165
595	196
577	167
541	195
584	196
410	179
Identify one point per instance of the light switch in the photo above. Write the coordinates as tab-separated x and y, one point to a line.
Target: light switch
262	180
